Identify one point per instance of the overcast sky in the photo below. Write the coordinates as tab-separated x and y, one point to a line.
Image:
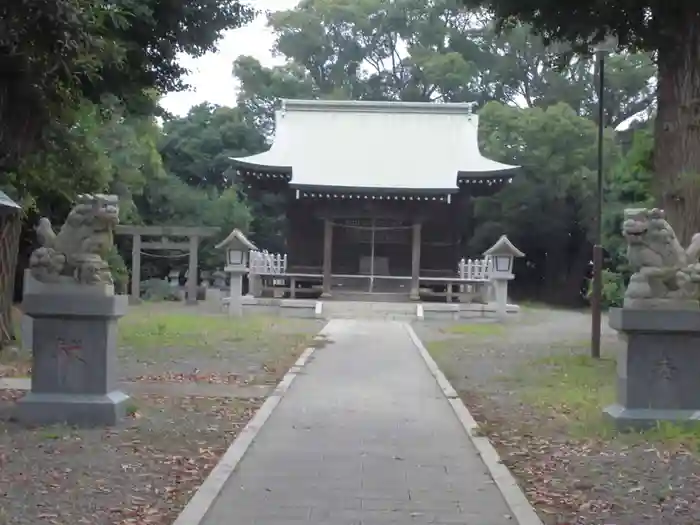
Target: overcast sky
211	76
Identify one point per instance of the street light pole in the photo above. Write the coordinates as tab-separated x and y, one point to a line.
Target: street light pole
597	295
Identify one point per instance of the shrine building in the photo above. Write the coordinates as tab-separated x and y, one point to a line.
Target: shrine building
379	194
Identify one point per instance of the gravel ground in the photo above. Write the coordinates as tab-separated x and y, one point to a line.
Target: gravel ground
144	471
539	397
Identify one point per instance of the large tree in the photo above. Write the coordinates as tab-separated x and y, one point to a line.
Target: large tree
57	55
197	148
548	209
671	30
410	50
516	67
47	48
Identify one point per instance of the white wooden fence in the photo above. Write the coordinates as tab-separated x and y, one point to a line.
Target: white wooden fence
474	269
264	263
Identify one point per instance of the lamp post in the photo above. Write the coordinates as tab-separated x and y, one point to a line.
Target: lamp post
238	249
501	256
601	49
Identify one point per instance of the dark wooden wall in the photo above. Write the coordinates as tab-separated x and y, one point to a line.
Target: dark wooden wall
442	235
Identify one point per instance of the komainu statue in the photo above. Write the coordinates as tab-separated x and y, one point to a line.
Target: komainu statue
665	275
76	253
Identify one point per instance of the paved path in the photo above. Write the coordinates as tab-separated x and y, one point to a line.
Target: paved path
363	437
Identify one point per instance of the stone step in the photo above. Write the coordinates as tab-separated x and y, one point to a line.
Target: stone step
368	310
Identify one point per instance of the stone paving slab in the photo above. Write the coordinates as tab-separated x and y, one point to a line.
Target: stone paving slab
363	437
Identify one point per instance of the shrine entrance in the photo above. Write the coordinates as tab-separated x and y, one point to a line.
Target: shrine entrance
372	255
168	238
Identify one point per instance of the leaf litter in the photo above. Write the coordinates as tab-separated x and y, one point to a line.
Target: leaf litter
145	470
573	474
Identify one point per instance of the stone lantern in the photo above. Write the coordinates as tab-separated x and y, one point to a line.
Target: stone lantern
238	249
501	256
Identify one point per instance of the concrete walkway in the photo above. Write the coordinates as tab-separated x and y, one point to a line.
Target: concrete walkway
364	437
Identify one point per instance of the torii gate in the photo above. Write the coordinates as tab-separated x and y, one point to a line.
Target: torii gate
193	234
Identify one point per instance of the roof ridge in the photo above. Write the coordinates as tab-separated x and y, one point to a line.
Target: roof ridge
378	106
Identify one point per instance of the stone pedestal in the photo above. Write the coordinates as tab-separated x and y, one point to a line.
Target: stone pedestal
235	301
74	372
657	373
499	295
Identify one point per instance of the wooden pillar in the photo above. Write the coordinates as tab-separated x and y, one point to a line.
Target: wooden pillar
192	270
136	268
327	257
415	261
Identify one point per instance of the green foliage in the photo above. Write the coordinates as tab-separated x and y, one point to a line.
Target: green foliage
613	289
227	211
154	34
628	186
410	50
516	65
170	201
200	188
269	220
120	273
157	290
105	150
638	24
197	148
669	30
261	87
47	50
63	60
547	211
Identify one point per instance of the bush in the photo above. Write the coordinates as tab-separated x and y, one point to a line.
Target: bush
159	290
120	273
613	289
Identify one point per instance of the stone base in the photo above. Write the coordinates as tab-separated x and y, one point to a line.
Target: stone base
658	369
637	419
75	365
72	409
299	308
457	311
661	304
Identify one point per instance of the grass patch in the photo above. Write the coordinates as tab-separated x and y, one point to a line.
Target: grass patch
575	387
438	348
476	329
673	436
141	331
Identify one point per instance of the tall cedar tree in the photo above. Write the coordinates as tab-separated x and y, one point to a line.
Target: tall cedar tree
671	30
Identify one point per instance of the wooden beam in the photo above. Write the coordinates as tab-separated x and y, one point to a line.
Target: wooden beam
165	245
136	269
415	261
192	270
168	231
327	257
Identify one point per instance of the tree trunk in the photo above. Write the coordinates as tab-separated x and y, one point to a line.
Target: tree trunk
677	128
10	227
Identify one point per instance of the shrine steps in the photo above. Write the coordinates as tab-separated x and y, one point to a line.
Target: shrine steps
367	309
378	297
